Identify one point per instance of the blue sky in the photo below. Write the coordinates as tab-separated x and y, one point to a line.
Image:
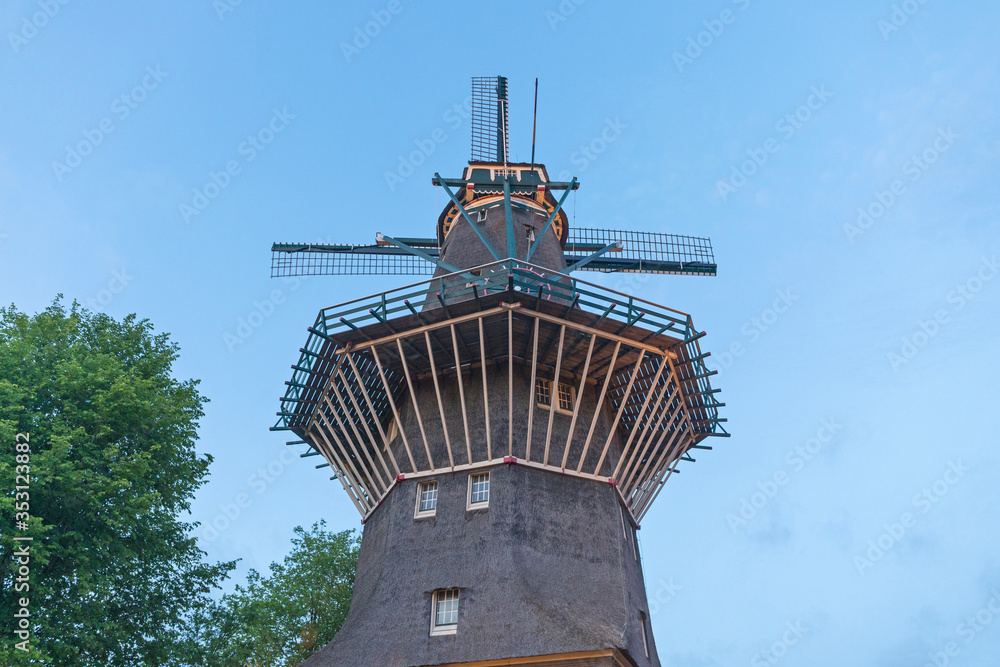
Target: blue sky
768	126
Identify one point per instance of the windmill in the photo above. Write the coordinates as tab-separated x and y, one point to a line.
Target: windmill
503	427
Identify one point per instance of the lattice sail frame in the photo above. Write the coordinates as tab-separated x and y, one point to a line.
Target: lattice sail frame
490	133
362	358
643	252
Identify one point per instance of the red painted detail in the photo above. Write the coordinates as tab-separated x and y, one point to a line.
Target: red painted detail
613	482
510	459
400	478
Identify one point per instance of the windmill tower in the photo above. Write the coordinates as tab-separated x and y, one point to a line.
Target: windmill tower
503	427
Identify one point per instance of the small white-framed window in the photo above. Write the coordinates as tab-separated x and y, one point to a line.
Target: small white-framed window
427	496
565	395
479	490
444	612
529	232
645	640
481	216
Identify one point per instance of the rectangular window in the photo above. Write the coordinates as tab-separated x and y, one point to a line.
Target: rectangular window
444	612
565	395
543	392
427	497
479	490
645	641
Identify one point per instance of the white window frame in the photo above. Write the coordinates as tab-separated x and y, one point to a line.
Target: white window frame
446	628
553	392
482	504
425	514
645	640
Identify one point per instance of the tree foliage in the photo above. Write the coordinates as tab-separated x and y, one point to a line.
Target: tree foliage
284	617
115	574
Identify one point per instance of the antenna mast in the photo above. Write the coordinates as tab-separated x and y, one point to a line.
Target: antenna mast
534	120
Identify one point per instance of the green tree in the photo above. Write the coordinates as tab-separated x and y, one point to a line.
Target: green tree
116	577
284	617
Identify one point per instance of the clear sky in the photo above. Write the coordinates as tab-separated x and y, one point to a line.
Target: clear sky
858	353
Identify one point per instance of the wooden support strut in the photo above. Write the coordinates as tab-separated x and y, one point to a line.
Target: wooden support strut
642	412
599	404
531	390
413	402
364	422
395	412
579	401
486	397
371	411
553	394
437	393
461	393
621	408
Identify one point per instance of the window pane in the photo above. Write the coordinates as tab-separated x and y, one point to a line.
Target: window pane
446	612
480	488
565	396
543	391
428	496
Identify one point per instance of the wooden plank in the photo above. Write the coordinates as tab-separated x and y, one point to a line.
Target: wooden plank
373	470
350	470
364	422
395	412
579	401
627	483
413	402
554	393
461	393
437	392
486	397
618	416
531	391
636	427
510	383
371	411
432	327
334	461
599	406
